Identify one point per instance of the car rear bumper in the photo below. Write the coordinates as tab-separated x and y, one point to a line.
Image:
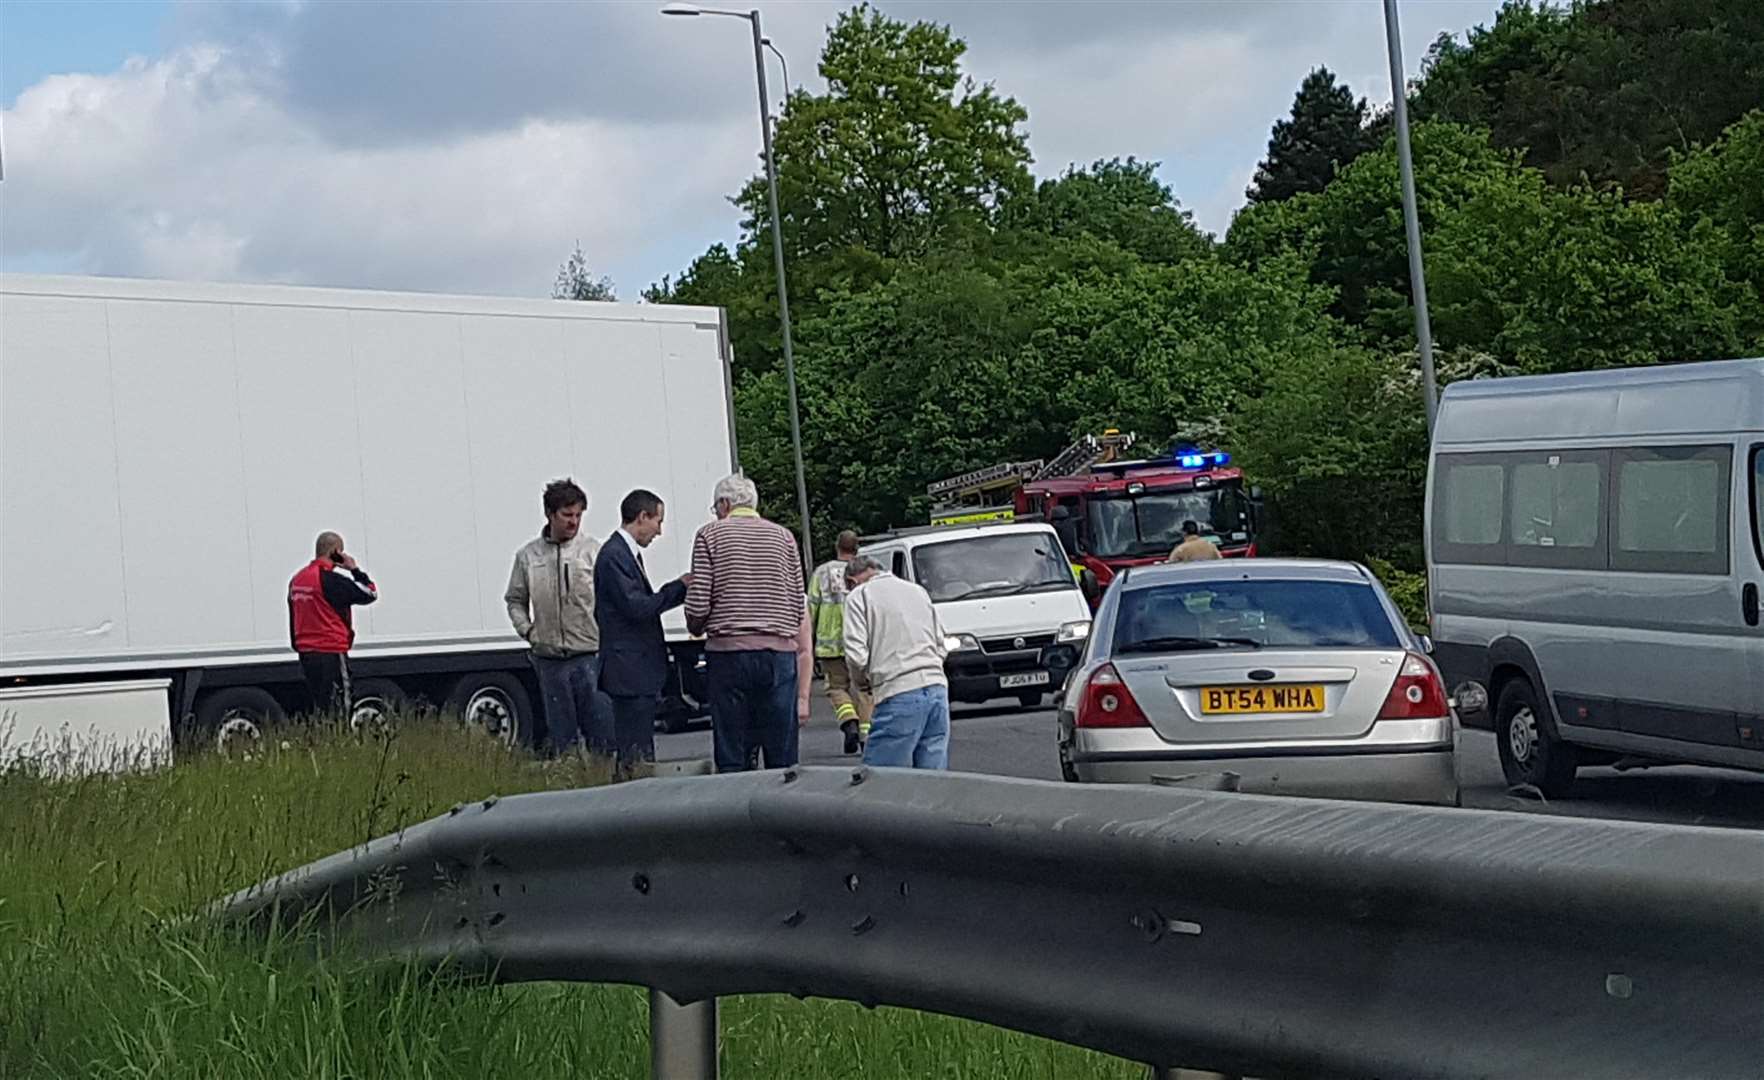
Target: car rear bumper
1400	761
1420	777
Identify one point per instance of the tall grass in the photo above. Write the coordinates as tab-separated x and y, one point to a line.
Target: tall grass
102	974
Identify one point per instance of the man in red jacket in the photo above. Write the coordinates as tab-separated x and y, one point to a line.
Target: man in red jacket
319	599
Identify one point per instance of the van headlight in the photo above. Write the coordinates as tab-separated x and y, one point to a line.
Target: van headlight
1077	630
960	642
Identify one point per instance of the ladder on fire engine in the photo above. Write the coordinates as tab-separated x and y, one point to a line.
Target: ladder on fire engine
982	482
985	494
1088	451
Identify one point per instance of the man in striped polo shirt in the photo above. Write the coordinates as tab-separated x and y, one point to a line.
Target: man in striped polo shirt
746	598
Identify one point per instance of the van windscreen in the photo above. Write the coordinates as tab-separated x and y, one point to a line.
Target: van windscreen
998	565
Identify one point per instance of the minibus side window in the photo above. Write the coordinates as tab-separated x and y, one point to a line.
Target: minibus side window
1672	510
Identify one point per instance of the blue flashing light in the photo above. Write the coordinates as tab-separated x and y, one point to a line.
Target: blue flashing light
1215	460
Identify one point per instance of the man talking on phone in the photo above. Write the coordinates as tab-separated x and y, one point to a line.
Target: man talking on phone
319	600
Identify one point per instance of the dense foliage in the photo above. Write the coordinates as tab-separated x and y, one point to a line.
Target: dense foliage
1591	186
1324	134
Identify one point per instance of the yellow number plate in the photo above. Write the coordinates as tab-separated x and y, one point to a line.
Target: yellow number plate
1238	700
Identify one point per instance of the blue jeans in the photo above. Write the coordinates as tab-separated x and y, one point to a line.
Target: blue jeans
910	730
752	707
575	709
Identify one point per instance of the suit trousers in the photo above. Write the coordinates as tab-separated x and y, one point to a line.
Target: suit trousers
633	731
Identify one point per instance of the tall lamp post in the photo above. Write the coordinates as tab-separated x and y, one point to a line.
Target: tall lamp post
759	64
1411	220
785	64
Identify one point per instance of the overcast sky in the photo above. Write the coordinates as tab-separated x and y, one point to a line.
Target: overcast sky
467	146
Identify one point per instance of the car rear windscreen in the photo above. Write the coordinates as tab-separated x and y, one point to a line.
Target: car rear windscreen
1269	614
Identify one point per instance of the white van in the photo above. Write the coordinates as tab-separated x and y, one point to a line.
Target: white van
1004	592
1596	553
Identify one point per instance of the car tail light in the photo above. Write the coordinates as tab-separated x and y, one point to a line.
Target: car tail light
1419	693
1107	702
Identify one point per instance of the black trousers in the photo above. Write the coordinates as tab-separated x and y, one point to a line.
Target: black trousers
634	731
327	681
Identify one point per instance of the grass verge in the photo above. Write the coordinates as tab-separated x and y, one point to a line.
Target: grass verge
101	976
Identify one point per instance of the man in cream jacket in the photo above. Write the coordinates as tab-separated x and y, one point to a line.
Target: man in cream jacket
892	635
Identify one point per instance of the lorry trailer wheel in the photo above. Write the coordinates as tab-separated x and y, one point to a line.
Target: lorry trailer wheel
373	703
495	703
236	717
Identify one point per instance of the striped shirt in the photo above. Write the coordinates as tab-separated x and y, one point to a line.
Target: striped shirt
746	590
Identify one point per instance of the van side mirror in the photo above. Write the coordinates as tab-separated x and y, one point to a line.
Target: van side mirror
1426	644
1089	586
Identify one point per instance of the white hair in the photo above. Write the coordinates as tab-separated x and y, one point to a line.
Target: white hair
737	491
860	565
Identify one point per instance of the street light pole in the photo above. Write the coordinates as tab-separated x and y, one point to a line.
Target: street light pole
759	65
1411	219
802	503
783	63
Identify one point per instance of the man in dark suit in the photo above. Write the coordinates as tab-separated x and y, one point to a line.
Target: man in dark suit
633	652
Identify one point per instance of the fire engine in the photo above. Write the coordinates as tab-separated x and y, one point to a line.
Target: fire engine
1111	513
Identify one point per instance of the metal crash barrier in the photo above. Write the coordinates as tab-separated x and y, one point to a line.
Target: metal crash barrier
1245	935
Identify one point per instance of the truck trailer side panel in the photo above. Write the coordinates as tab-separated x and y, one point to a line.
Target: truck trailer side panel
169	452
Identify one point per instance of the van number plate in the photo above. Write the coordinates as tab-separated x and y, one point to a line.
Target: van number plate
1239	700
1033	678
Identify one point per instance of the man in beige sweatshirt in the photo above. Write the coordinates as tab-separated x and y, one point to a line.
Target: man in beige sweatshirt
1194	546
893	637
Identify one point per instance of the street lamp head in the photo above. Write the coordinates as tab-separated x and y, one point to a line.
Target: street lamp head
694	9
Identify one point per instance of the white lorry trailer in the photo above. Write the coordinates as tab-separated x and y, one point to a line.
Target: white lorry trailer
168	452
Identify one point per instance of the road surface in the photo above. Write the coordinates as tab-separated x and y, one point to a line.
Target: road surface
1004	740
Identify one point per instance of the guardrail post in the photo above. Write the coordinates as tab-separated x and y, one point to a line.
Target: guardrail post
682	1038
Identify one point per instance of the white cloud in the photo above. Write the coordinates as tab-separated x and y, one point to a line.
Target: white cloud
469	146
183	167
1093	100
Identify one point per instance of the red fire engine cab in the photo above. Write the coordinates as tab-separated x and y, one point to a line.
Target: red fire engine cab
1111	513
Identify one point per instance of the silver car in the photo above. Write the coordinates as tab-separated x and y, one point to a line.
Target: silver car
1266	675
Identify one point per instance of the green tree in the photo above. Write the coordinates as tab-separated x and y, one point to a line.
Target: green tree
1351	234
1120	201
1719	192
1568	280
951	313
901	157
741	282
576	282
968	361
900	384
1603	91
902	149
1545	279
1322	136
1155	348
1338	444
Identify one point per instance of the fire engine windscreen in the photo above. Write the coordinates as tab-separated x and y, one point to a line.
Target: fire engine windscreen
1150	525
1002	565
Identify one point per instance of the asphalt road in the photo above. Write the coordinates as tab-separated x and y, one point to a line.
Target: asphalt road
1004	740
